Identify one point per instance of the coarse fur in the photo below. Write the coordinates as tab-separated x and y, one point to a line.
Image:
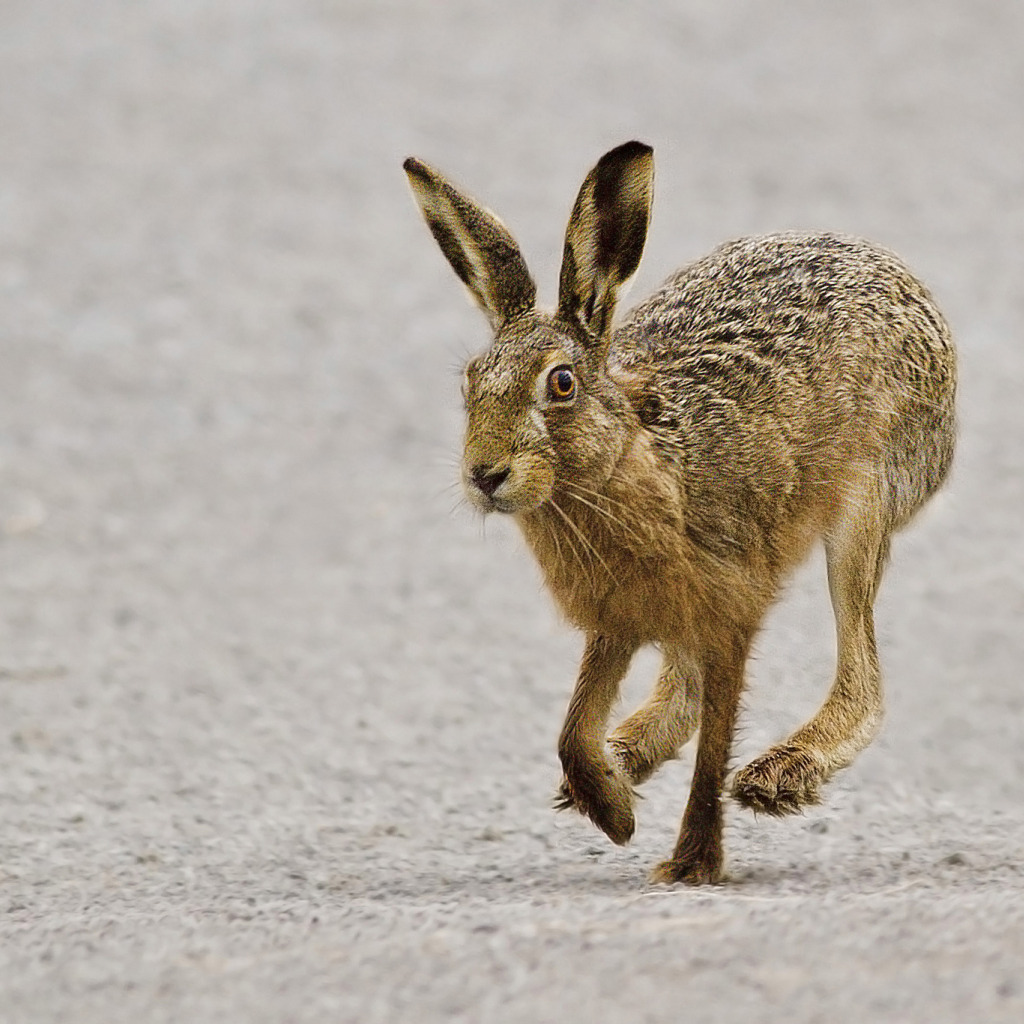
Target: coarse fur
670	472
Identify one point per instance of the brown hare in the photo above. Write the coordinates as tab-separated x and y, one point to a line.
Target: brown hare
670	471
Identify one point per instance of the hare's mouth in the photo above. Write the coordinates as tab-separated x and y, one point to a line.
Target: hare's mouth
508	508
505	490
508	504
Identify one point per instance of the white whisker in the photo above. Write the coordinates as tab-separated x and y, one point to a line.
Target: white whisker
579	533
604	512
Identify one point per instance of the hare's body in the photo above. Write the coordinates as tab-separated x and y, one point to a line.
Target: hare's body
784	359
668	474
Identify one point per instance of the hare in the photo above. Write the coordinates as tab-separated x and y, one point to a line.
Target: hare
669	473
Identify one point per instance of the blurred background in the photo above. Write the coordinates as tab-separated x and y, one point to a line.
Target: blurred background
263	680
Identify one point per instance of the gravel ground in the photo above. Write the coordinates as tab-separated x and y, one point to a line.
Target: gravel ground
277	726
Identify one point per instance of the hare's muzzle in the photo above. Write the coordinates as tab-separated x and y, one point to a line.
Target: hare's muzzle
488	480
508	485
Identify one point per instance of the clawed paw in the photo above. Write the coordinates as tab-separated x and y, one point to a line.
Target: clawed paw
629	759
695	871
563	798
606	799
782	781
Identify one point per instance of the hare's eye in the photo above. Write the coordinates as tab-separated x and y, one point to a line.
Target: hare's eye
562	384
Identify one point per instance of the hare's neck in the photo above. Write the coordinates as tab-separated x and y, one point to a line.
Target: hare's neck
576	551
594	539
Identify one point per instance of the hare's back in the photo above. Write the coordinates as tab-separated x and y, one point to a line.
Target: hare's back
777	317
817	296
788	357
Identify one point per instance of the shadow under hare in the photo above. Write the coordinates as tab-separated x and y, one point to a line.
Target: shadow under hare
670	471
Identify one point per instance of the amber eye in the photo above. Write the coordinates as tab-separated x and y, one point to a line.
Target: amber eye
561	384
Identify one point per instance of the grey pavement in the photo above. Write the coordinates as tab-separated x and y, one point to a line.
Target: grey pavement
277	714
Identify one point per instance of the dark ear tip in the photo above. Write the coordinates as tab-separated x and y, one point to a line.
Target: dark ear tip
632	150
414	168
629	158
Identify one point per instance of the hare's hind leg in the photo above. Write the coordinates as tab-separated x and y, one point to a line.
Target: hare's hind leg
789	775
654	732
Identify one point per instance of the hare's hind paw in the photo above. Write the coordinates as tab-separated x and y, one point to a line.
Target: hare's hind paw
628	756
782	781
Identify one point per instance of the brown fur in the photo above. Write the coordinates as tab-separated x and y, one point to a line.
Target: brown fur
780	390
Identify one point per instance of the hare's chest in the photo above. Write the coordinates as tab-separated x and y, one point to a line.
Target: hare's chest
620	593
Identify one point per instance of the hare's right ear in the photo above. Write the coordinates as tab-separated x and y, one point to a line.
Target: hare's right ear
476	244
605	238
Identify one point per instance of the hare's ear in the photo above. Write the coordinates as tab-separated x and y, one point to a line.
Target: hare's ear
476	244
605	237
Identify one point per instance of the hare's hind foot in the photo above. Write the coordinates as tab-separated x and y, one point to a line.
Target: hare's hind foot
605	797
650	737
635	762
782	781
656	731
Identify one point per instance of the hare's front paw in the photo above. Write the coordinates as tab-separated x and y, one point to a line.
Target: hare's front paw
696	861
696	872
602	795
781	781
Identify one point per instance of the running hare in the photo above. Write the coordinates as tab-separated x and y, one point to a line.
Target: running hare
671	471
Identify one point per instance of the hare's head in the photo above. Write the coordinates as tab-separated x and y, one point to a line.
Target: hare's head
541	408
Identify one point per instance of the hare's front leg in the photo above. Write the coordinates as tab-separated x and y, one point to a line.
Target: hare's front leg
654	732
591	784
697	858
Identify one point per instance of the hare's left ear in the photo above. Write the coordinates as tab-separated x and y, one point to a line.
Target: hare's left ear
605	238
477	245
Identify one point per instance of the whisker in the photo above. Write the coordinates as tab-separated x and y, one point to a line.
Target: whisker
552	533
597	494
605	497
448	489
579	533
604	512
549	526
584	567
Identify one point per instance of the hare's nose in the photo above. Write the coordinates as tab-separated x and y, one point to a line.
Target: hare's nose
487	480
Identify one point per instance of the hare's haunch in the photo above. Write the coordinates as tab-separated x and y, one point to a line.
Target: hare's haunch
670	471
